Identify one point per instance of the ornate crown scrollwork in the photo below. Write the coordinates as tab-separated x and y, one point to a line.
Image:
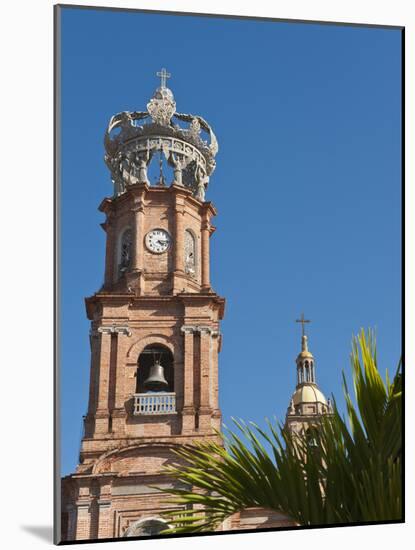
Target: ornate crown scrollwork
162	106
132	138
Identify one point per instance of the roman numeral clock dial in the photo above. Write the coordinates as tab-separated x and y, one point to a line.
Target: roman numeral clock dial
158	241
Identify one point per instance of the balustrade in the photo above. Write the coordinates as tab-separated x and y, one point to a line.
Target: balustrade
154	403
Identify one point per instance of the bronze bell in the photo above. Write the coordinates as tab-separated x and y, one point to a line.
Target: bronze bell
155	380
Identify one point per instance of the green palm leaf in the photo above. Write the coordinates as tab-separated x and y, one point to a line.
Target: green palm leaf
353	474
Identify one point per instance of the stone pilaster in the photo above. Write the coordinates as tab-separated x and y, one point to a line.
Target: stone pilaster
110	251
72	515
82	519
104	507
104	518
119	413
120	373
135	278
205	411
102	412
188	412
214	380
95	343
205	253
178	271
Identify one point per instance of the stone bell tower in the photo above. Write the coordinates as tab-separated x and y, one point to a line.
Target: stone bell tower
308	403
154	334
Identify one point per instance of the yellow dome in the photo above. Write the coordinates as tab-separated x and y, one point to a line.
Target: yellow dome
305	355
308	393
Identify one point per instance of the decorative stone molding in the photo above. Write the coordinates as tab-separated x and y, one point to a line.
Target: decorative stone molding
114	329
190	329
82	506
104	504
199	329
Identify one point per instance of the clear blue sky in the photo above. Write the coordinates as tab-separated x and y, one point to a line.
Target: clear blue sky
307	187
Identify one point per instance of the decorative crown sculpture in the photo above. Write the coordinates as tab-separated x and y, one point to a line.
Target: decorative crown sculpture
132	139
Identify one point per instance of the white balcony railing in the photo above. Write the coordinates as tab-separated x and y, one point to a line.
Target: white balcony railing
154	403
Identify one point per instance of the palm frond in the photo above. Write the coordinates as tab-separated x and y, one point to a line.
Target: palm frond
352	474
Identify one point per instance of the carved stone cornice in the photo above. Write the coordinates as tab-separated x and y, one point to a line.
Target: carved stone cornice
188	329
104	504
104	298
82	505
115	329
209	209
193	329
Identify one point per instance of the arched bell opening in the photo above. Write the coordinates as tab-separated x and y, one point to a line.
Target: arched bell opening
307	371
155	370
311	438
300	373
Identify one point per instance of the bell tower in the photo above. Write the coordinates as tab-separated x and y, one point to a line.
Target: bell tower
308	403
154	334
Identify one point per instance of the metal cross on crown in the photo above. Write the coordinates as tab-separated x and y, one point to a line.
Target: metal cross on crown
164	75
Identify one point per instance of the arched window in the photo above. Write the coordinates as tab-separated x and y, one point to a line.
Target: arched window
307	372
311	438
150	356
190	253
147	527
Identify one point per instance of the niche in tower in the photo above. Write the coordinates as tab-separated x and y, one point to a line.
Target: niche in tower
190	252
150	355
125	252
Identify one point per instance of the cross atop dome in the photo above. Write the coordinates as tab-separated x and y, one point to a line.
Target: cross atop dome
164	75
303	321
308	404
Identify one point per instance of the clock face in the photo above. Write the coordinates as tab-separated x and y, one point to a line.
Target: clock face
158	240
